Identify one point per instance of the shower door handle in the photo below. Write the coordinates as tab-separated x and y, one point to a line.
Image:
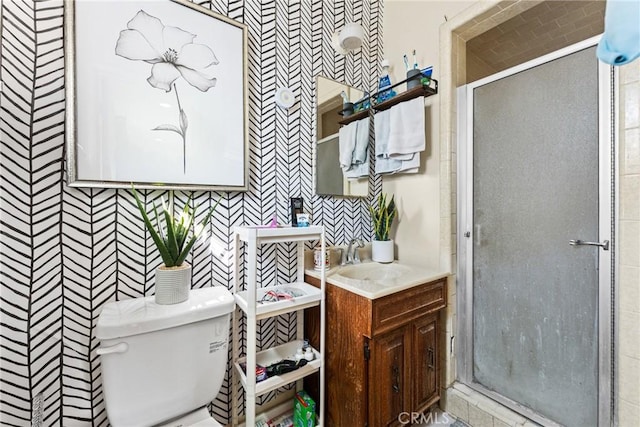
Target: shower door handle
604	245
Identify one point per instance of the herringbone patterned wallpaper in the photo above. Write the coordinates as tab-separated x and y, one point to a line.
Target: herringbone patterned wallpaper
67	251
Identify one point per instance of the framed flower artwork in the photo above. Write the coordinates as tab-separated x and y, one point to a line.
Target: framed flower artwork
156	96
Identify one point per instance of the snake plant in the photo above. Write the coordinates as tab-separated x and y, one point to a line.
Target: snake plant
172	239
382	215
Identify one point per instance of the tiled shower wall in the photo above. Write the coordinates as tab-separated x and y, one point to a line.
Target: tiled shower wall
65	251
628	330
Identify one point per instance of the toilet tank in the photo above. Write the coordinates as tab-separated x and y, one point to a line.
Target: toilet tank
163	361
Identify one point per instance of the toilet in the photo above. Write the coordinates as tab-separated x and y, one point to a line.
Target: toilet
162	364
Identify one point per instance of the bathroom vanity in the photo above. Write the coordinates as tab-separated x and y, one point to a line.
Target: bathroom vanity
383	344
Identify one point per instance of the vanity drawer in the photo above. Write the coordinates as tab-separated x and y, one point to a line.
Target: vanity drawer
402	307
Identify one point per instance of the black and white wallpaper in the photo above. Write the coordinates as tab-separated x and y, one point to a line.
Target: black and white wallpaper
65	252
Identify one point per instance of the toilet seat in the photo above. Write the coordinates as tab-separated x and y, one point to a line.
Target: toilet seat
198	418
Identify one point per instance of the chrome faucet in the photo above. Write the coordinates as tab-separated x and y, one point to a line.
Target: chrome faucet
351	255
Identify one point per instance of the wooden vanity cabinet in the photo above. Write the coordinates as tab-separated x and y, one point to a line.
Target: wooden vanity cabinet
425	359
382	355
389	377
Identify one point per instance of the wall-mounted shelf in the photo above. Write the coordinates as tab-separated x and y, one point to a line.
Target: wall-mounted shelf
353	117
424	90
406	96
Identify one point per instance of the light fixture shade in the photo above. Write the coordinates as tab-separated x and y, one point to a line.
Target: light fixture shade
335	43
351	36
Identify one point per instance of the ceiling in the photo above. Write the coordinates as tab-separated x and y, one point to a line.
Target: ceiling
542	29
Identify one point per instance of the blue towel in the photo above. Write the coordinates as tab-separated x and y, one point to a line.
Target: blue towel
361	150
353	143
620	43
360	160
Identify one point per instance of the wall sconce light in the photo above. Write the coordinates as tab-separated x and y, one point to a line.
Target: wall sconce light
347	39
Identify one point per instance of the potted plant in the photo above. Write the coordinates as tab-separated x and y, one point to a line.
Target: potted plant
382	216
173	279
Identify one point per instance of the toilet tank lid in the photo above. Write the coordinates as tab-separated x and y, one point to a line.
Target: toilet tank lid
141	315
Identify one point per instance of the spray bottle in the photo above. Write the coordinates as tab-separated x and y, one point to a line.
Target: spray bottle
385	81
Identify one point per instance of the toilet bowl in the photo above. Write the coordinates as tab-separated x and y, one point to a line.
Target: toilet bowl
163	364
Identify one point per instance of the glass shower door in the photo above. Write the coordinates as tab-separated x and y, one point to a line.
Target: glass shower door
536	187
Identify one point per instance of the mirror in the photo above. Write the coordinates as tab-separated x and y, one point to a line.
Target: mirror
329	178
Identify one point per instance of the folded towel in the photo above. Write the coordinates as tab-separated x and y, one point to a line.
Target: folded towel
383	163
357	171
410	165
406	128
354	149
620	43
387	165
346	144
381	133
361	150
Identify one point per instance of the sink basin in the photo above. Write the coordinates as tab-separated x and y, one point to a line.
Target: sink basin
373	271
373	280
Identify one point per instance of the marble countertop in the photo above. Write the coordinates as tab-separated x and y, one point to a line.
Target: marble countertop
375	288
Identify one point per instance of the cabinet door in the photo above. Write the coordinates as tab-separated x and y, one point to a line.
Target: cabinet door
425	363
389	377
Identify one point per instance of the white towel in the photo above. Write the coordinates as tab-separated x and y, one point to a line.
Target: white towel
381	133
354	137
346	144
410	165
406	128
383	163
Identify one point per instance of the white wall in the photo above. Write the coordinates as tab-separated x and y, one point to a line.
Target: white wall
415	25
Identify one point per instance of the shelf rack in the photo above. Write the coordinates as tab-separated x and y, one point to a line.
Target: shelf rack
248	304
423	90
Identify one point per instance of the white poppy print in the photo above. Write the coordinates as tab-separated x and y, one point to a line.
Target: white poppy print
173	54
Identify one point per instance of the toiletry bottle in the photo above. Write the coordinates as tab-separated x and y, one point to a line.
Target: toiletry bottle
297	204
385	81
299	355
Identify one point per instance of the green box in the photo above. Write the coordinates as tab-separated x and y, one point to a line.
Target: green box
304	410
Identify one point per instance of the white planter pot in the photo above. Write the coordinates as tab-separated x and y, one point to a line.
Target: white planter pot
382	251
173	284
